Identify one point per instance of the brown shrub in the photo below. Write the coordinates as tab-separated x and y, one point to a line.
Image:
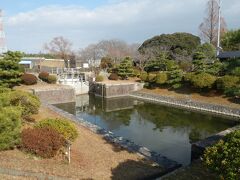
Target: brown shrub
113	76
28	119
44	142
29	79
43	76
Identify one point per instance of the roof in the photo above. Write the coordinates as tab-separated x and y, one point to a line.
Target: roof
229	55
25	62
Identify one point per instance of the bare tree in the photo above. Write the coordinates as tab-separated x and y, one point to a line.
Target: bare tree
209	27
60	47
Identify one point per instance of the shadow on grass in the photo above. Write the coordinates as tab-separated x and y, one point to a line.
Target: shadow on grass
136	170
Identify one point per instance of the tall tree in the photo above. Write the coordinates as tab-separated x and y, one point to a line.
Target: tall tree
60	47
231	41
209	27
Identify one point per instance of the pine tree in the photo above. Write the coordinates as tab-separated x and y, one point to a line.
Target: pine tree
125	68
10	69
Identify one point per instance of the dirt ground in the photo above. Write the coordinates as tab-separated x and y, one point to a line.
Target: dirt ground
211	97
91	158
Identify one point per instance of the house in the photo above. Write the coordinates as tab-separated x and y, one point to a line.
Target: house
229	55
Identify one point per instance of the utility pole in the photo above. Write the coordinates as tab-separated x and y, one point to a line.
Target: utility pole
219	27
3	47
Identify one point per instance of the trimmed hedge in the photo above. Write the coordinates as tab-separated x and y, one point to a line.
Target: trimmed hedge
224	157
28	102
143	76
52	79
43	76
10	126
151	77
62	126
29	79
203	80
113	76
161	78
44	142
99	78
227	82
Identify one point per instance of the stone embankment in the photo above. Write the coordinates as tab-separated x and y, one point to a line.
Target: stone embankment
189	104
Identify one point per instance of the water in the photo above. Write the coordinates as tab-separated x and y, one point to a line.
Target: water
166	130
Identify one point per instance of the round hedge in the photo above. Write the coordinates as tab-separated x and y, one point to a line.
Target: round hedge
29	79
44	142
113	76
52	79
99	78
43	76
63	126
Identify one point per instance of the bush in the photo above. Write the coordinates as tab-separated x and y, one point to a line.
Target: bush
44	142
99	78
28	79
136	72
227	82
151	77
43	76
203	80
62	126
224	157
161	78
143	76
52	79
236	71
10	125
113	76
28	102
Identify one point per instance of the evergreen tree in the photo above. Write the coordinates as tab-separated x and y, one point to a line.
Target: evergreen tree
125	68
10	69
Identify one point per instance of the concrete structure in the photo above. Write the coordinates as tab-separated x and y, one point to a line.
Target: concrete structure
116	89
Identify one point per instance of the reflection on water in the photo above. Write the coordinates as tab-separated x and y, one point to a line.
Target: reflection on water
166	130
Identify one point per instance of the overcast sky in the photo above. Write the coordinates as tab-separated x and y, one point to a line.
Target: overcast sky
28	25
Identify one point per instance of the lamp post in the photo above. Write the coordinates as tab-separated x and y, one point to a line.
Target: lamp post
219	27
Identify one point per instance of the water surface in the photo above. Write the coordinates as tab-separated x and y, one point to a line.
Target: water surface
166	130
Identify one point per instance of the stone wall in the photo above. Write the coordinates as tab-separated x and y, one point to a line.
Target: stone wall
190	104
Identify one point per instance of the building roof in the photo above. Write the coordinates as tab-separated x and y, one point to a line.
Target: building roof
229	55
25	62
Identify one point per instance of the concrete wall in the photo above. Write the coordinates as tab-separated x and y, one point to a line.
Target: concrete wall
113	90
55	94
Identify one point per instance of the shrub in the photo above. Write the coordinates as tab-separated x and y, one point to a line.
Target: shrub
236	71
151	77
203	80
113	76
10	125
224	157
99	78
188	76
29	79
28	119
44	142
136	72
161	78
143	76
52	79
28	102
4	90
43	76
62	126
227	82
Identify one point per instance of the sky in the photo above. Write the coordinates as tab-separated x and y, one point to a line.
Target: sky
30	24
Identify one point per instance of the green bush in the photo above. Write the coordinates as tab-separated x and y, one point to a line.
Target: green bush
113	76
10	126
28	102
29	79
44	142
143	76
63	126
203	80
151	77
43	76
52	79
99	78
227	82
224	157
236	71
188	76
161	78
136	72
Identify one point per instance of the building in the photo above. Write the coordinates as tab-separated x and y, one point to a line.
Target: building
41	64
229	55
